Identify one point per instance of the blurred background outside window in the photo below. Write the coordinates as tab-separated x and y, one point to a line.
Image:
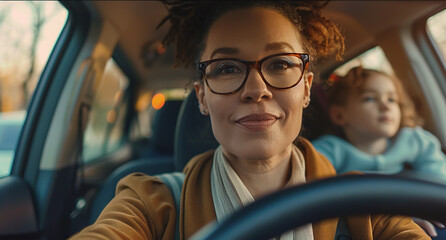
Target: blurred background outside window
28	33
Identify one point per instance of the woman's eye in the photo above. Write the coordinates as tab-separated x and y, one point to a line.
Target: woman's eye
281	65
226	69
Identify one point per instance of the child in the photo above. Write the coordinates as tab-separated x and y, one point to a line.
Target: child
379	129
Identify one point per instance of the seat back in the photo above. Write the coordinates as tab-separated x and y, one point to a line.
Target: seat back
157	156
315	119
163	128
193	133
108	188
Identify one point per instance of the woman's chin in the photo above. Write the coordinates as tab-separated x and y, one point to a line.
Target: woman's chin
255	151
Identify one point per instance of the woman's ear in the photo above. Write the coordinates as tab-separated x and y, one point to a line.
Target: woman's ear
337	115
199	91
308	78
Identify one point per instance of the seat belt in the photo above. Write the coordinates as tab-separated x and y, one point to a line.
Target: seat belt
174	182
342	232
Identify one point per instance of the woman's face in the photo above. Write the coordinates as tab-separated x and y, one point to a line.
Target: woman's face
258	121
373	111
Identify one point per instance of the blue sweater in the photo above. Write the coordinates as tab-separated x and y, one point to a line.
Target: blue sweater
414	146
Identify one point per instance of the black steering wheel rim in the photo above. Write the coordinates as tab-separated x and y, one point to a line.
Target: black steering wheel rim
332	197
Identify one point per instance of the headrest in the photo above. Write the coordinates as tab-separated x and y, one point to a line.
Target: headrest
163	130
193	133
316	119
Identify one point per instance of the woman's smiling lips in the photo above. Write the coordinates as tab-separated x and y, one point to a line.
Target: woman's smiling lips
257	121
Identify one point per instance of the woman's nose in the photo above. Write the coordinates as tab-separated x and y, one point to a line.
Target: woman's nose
255	88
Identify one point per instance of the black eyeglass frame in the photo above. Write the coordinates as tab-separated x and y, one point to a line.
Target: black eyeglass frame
254	64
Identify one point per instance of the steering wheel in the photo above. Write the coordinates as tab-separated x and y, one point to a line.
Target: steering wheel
338	196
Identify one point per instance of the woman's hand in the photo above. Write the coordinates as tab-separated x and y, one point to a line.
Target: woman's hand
428	226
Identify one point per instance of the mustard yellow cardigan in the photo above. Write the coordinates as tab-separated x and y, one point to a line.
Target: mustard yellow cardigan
143	208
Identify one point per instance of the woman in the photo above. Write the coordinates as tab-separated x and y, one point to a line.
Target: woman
255	82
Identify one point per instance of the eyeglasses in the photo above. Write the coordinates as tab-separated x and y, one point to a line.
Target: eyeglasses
228	75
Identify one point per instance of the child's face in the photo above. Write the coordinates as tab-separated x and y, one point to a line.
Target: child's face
372	111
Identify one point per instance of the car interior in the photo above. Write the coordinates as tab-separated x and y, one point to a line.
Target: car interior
93	118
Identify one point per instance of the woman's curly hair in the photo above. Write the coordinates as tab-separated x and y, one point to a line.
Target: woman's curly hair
190	22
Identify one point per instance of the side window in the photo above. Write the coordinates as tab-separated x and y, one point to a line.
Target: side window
373	58
105	127
436	25
28	33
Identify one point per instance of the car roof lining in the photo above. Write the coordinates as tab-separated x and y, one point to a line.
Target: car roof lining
359	19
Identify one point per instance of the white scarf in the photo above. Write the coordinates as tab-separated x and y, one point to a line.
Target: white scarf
229	192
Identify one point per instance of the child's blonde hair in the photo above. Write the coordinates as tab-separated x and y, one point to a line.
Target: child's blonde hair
343	87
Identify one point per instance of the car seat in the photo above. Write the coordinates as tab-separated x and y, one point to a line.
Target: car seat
316	120
193	133
162	132
156	158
